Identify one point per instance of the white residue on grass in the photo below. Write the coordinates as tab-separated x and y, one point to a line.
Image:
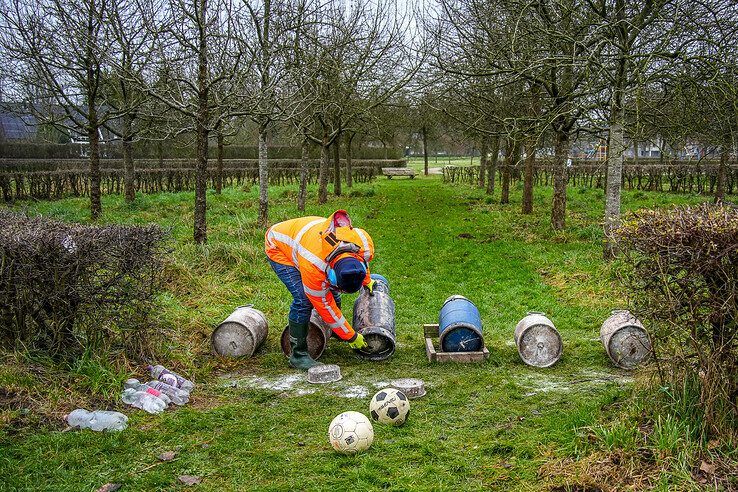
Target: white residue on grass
296	384
286	382
354	392
581	381
280	383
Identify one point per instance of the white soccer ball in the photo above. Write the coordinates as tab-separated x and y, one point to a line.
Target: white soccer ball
350	432
390	406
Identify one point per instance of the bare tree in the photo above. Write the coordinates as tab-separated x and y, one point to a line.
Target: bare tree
637	34
269	29
549	44
127	56
58	50
198	54
356	58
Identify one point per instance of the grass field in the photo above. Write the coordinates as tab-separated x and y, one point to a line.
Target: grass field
499	425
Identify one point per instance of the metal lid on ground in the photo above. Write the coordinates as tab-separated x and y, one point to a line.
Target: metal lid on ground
413	388
324	373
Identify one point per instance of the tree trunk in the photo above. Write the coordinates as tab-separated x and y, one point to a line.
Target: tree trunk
615	151
201	174
492	172
424	131
635	151
129	171
483	160
558	209
722	174
201	129
505	193
614	181
303	175
349	157
511	158
219	168
337	167
323	171
95	194
92	74
530	150
530	161
263	219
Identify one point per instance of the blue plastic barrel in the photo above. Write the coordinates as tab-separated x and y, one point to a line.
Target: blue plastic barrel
460	326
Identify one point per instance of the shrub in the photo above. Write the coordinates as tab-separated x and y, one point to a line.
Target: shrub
681	267
67	288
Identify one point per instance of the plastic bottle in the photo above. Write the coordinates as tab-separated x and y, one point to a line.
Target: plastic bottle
178	396
143	400
139	386
171	378
99	420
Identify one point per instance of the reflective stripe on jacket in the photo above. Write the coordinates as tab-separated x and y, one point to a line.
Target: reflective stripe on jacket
305	243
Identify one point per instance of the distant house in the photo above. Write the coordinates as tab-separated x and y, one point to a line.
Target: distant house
18	123
17	126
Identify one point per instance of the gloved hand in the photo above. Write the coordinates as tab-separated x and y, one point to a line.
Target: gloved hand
370	286
359	343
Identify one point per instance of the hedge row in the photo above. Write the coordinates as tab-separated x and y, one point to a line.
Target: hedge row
49	185
39	165
152	150
683	177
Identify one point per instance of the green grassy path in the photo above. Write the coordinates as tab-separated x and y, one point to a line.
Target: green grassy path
486	426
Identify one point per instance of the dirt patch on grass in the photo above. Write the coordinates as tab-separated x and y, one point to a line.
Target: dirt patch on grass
21	410
716	473
601	471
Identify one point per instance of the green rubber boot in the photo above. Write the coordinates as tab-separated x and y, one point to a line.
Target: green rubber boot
300	359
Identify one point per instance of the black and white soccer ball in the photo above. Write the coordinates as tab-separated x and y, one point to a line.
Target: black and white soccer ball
390	406
350	432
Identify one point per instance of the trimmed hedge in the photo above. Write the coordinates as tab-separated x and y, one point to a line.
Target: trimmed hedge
680	266
38	165
68	288
151	150
49	185
685	176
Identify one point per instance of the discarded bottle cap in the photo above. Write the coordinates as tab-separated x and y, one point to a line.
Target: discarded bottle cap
324	373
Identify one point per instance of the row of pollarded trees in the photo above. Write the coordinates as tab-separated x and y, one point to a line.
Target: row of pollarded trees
158	69
532	75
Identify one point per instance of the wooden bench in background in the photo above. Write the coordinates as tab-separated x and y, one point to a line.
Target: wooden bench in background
398	171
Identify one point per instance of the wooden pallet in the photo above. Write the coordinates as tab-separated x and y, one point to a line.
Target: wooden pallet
430	331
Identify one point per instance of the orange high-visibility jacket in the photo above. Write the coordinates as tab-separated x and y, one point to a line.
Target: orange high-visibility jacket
305	243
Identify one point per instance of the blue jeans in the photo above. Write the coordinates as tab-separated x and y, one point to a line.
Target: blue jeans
301	307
